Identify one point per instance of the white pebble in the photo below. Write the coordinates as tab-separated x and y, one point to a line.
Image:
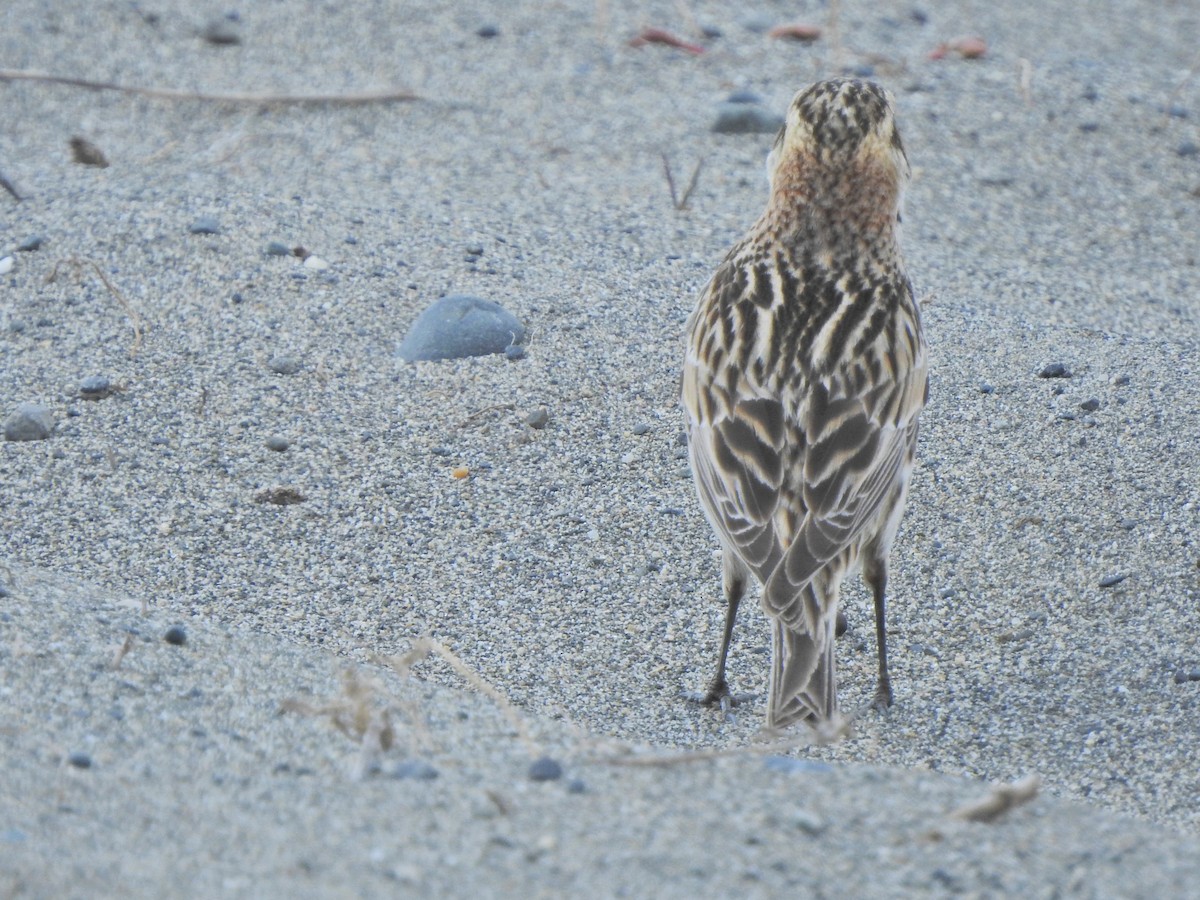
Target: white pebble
315	262
6	265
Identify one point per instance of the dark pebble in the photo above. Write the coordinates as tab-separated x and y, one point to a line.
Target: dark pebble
985	388
514	352
488	31
278	248
1090	94
80	760
1187	148
29	422
95	387
746	118
576	786
641	428
1110	580
460	326
1182	676
1090	405
1089	127
221	32
33	242
237	298
475	250
862	70
1055	370
545	769
712	32
1120	380
416	769
919	16
205	225
176	635
538	418
743	97
283	364
1177	111
277	443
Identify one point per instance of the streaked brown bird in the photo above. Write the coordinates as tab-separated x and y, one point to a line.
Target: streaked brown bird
806	370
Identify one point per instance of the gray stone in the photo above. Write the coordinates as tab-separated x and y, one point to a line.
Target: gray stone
746	118
29	422
459	326
95	387
284	364
205	225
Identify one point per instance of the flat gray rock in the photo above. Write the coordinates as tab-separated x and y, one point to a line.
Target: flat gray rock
29	422
459	326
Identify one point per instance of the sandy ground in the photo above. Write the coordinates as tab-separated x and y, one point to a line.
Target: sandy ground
1052	219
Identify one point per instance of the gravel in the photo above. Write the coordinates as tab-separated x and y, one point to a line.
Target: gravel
573	569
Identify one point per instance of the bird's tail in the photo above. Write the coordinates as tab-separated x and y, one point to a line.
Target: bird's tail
803	680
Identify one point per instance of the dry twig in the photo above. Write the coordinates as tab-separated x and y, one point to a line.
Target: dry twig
678	202
1002	798
78	264
387	95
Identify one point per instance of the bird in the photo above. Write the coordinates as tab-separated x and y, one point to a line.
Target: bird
805	372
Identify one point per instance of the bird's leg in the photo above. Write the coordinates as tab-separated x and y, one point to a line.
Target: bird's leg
718	688
875	574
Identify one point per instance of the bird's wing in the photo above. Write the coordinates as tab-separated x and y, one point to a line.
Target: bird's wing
736	436
858	448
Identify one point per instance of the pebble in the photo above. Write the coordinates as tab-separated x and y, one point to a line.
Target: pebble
176	635
985	388
487	31
746	118
538	418
80	760
514	352
1090	405
1120	380
744	97
416	769
759	23
33	242
576	786
459	326
1183	676
6	265
641	428
86	153
1055	370
545	769
95	387
29	422
277	443
280	495
1188	148
222	32
1112	580
315	262
283	364
205	225
278	248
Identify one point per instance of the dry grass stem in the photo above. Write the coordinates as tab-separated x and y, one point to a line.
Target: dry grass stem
134	318
1002	798
387	95
119	655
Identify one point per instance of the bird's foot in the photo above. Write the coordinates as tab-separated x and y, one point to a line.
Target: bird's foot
718	694
883	695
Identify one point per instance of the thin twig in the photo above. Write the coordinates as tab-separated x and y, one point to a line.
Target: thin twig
388	95
1002	798
670	181
134	317
1025	80
687	194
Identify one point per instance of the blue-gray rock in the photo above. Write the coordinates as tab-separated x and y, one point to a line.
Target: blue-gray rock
545	769
459	326
29	422
277	443
278	248
746	118
283	364
33	242
744	96
176	635
95	387
205	225
416	769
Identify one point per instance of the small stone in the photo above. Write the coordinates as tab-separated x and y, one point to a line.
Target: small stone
545	769
1090	94
759	23
641	428
315	262
487	31
415	769
278	248
29	422
283	364
538	418
1055	370
86	153
1187	148
1089	127
176	635
277	443
985	388
1182	676
1111	580
513	352
460	326
475	250
205	225
1120	380
221	32
1090	405
744	97
80	760
746	118
576	786
6	265
95	387
808	822
33	242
